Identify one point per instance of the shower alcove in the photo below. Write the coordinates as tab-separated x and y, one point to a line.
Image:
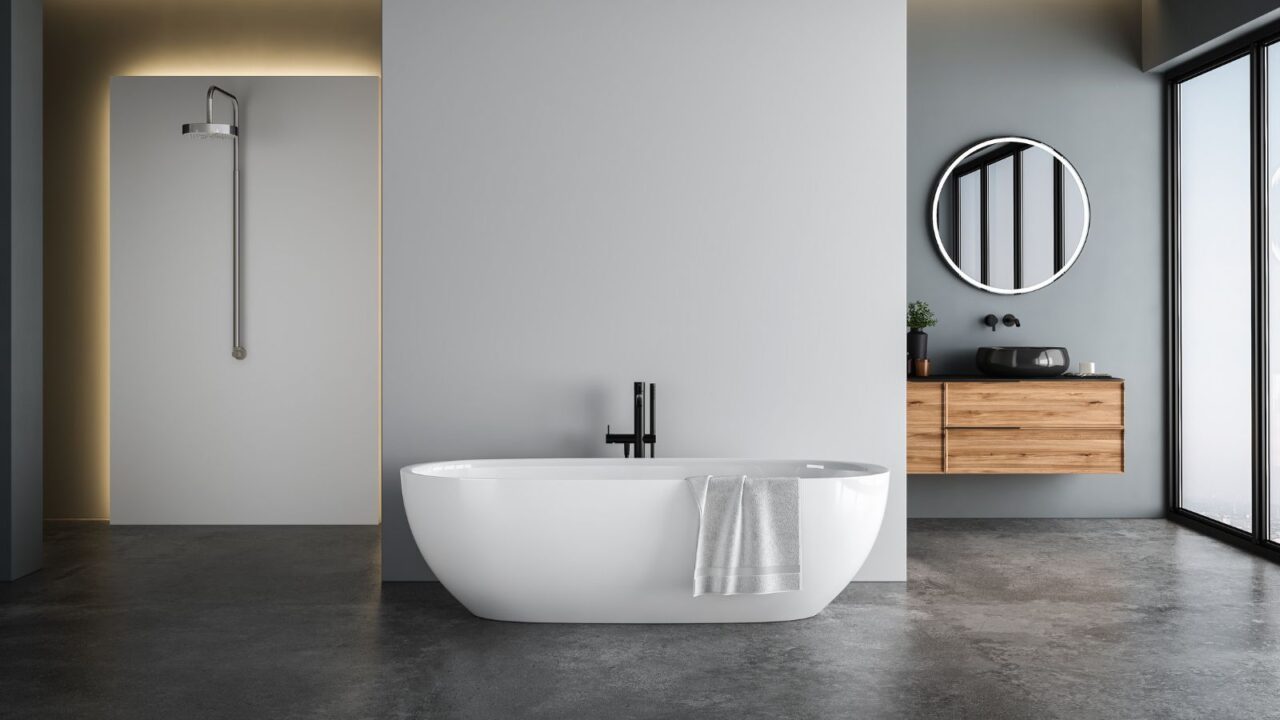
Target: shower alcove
289	433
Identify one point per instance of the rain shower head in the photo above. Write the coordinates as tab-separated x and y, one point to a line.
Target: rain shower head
210	130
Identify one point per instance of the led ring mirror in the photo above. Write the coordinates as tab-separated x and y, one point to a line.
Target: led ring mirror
1010	215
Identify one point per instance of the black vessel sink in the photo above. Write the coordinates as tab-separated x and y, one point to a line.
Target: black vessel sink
1023	362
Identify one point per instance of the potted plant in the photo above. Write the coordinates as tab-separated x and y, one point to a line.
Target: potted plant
919	317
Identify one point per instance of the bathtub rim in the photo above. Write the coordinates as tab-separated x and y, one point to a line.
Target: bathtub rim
849	469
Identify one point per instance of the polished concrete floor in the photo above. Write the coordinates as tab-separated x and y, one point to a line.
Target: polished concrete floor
1001	619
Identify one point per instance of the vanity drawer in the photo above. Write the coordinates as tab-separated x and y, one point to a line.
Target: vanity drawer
924	427
1035	450
1029	404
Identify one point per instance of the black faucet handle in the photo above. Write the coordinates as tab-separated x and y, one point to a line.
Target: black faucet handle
991	321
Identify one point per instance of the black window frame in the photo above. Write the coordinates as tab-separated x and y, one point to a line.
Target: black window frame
1255	48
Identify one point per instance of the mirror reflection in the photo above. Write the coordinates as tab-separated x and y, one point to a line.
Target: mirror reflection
1010	215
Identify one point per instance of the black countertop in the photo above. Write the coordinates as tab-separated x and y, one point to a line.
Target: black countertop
985	378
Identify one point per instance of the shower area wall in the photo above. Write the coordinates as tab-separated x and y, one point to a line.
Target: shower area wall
289	434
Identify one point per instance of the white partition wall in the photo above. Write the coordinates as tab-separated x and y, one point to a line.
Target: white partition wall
705	195
290	433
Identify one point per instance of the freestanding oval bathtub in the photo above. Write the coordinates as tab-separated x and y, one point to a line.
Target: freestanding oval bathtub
612	541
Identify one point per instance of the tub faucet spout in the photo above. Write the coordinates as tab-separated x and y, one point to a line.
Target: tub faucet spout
638	437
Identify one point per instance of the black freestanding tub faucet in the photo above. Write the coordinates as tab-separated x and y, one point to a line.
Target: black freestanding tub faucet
638	435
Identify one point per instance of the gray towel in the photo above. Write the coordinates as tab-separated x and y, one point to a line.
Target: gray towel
748	535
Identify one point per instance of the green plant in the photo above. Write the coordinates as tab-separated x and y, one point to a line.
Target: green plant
920	316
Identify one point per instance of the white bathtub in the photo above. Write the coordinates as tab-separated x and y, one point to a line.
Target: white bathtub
612	541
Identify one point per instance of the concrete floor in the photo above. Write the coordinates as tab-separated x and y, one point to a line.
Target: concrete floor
1001	619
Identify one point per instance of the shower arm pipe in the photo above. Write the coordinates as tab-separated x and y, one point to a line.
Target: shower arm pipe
235	105
237	345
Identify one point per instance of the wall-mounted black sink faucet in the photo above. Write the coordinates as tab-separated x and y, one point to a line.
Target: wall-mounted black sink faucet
638	437
1009	320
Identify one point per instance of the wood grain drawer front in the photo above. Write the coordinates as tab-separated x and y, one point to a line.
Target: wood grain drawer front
991	450
924	427
1035	404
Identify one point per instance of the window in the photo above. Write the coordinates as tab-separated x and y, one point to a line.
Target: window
1225	379
1215	241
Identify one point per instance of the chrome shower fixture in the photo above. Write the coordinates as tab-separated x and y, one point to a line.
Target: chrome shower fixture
210	129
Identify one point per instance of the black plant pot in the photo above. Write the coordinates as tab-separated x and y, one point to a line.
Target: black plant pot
918	344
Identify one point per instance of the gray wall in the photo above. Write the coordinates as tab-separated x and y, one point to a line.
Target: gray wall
288	435
707	195
1177	30
1065	73
21	544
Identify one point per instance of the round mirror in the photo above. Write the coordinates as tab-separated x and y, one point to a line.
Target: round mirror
1010	215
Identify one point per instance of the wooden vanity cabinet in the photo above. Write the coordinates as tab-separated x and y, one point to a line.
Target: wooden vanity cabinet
978	426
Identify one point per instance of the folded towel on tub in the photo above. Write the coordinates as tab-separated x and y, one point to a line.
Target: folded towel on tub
748	534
